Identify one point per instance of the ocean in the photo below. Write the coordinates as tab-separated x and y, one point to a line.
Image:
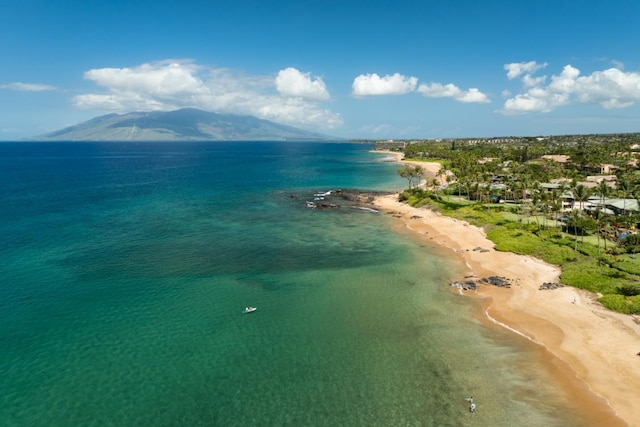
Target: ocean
125	268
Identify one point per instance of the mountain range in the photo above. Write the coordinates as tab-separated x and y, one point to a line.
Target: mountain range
187	124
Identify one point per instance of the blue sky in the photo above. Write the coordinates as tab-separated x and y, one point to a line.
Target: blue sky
355	69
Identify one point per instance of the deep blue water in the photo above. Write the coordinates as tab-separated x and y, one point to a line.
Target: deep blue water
125	267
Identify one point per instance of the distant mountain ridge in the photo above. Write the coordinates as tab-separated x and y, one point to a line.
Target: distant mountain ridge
187	124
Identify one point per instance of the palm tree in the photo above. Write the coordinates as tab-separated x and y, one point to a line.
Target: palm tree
581	194
598	217
602	190
525	182
441	172
555	205
535	204
624	187
449	180
574	221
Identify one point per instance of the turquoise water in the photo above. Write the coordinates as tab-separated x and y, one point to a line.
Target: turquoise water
125	268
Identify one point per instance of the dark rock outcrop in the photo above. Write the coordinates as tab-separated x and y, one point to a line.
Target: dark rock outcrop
471	284
550	286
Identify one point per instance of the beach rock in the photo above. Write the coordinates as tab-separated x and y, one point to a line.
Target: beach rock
467	285
550	286
472	283
501	282
340	198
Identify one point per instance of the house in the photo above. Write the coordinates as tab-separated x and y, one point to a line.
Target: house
597	179
608	169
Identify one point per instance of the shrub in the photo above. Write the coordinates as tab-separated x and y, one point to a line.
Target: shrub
631	243
629	290
620	303
513	241
626	266
587	274
556	254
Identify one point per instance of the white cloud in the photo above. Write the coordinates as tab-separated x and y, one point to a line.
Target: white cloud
565	82
293	83
397	84
535	100
373	84
516	69
529	81
173	84
473	95
611	88
297	111
438	90
27	87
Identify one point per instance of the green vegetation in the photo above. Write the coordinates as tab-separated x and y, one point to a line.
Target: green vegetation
502	186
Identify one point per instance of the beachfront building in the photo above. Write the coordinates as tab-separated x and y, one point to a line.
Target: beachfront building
391	145
614	206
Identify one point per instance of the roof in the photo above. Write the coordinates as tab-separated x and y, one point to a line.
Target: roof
620	204
603	210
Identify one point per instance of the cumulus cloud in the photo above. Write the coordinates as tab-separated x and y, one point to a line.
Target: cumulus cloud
27	87
438	90
373	84
293	83
397	84
516	69
172	84
611	88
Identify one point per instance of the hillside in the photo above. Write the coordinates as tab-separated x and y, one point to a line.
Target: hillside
187	124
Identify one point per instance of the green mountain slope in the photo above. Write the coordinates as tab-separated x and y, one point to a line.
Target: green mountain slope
187	124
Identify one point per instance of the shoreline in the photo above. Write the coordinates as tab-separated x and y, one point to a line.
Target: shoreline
591	351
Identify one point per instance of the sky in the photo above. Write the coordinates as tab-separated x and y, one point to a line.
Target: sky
351	69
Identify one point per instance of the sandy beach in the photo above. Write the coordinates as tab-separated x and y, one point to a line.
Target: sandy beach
591	351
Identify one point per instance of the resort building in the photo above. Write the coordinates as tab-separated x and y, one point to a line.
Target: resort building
391	145
614	206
